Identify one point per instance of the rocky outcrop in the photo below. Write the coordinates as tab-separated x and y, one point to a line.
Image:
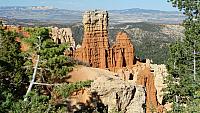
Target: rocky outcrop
18	29
95	48
150	76
159	72
63	35
146	79
119	58
119	95
109	90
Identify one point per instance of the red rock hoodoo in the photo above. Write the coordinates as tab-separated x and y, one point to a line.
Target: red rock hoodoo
95	49
95	46
120	58
121	53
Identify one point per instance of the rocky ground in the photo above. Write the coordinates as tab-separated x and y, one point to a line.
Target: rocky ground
116	93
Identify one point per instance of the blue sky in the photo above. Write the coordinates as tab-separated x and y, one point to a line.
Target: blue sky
93	4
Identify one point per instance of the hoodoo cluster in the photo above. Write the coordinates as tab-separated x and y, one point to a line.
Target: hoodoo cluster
95	49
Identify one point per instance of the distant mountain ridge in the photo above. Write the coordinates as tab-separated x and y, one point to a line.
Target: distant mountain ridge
144	10
52	15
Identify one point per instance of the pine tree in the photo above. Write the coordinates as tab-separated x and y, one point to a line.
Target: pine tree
13	78
53	65
183	66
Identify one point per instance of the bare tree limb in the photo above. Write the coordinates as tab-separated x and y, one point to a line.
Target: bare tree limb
33	78
46	84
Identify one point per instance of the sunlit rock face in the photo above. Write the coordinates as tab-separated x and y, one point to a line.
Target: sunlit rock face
63	35
95	49
121	53
95	45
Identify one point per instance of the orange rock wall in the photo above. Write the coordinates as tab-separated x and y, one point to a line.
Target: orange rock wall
17	29
144	75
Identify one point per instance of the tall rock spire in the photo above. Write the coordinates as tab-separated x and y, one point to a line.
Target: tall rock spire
95	48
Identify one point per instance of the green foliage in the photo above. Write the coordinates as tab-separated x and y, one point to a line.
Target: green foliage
6	101
183	65
35	104
189	7
13	78
12	74
194	106
38	103
54	65
65	90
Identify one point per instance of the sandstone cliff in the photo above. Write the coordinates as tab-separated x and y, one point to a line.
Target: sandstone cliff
120	58
149	76
122	52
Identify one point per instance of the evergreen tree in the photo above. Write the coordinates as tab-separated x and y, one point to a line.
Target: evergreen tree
16	69
13	78
183	66
53	64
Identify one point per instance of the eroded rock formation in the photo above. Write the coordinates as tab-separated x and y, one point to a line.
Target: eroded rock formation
18	29
63	35
119	58
159	72
95	48
122	52
151	76
146	79
120	95
111	91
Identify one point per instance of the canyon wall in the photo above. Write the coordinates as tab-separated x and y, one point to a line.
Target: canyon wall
107	90
150	76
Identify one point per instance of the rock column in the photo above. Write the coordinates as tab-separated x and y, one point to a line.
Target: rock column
95	43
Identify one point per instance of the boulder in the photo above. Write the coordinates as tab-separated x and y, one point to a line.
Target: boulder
119	95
